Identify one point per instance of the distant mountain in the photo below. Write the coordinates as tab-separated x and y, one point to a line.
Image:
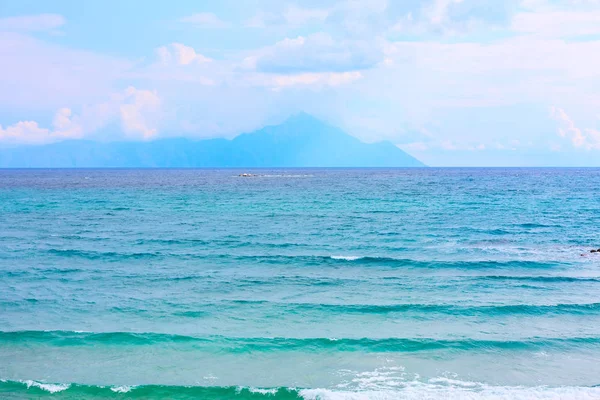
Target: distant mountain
300	141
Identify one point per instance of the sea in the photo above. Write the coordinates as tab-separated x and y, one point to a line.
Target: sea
426	283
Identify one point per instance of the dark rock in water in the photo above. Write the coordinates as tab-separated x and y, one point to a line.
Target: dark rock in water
593	251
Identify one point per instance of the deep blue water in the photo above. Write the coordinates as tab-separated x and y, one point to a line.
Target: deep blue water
316	283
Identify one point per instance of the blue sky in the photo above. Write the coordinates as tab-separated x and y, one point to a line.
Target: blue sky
453	82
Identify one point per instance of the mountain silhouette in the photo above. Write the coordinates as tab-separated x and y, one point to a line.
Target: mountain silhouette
300	141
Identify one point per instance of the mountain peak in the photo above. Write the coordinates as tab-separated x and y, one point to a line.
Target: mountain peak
303	119
300	141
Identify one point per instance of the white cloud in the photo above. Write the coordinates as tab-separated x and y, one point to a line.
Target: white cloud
360	19
23	132
205	20
557	23
557	19
263	19
405	24
66	124
297	16
36	75
315	53
177	62
509	71
437	17
180	54
29	132
32	23
292	16
314	79
587	139
437	11
362	7
448	145
530	61
351	14
139	112
469	20
415	146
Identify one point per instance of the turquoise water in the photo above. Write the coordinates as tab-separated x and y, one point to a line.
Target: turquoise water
300	284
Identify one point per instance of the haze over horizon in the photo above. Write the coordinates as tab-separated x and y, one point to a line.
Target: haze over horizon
451	82
300	141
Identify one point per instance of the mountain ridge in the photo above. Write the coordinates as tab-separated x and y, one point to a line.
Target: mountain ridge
300	141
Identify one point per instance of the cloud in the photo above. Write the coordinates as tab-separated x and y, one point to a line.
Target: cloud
264	19
36	75
437	11
588	139
29	132
557	23
205	20
180	54
297	16
66	124
457	18
138	112
362	7
314	79
292	16
491	83
503	72
359	19
551	19
415	146
353	16
32	23
23	132
316	53
446	145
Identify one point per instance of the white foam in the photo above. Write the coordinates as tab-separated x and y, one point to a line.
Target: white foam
271	391
435	392
395	383
122	389
347	258
380	379
48	387
453	382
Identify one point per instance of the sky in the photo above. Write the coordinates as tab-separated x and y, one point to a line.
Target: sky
452	82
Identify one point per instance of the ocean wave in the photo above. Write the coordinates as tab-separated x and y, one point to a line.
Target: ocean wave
385	261
432	264
122	389
541	279
430	390
102	255
532	225
436	392
346	258
446	309
48	387
262	344
283	259
71	390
